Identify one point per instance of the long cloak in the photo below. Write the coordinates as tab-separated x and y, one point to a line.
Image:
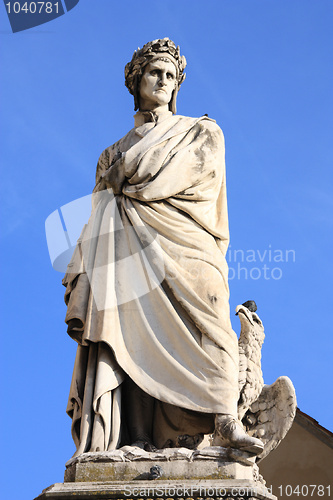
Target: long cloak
147	283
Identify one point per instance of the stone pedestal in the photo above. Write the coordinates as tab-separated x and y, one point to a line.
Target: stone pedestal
230	489
131	473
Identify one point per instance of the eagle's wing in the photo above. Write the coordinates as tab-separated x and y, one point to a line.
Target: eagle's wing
270	417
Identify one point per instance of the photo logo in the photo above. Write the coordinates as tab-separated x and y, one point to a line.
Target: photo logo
123	258
122	263
25	15
255	264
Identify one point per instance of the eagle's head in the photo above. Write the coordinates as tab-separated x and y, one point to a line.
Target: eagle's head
250	321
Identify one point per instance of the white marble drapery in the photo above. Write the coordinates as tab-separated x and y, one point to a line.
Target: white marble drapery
148	282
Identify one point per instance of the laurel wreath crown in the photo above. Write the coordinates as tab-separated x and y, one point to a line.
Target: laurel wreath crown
141	57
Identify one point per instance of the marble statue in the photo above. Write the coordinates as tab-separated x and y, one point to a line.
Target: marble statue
158	364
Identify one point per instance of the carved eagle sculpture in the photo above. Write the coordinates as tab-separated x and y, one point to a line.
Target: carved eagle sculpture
266	411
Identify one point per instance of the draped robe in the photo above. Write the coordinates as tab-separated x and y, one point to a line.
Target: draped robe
147	286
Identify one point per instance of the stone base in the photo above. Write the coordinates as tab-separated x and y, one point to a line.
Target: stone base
229	489
178	473
131	464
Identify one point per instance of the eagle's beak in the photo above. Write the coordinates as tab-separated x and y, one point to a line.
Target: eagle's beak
246	312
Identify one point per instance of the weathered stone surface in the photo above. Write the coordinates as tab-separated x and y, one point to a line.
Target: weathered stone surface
130	464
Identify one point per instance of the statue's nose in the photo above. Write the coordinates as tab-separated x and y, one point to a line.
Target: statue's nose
162	80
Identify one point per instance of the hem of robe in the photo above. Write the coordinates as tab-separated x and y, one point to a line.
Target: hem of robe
122	366
94	402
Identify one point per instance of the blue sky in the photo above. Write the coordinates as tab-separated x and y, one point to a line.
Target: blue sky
263	70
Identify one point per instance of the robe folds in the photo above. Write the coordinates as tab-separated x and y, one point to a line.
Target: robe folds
147	284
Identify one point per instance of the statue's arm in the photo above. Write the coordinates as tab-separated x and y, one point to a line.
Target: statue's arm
110	171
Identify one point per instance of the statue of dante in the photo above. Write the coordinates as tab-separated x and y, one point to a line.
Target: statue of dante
147	288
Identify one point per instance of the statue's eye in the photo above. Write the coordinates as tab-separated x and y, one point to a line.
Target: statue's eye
154	72
170	76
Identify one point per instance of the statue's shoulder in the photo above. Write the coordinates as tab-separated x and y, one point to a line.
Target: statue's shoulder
204	122
210	124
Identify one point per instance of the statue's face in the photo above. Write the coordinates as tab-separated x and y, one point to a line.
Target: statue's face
157	84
